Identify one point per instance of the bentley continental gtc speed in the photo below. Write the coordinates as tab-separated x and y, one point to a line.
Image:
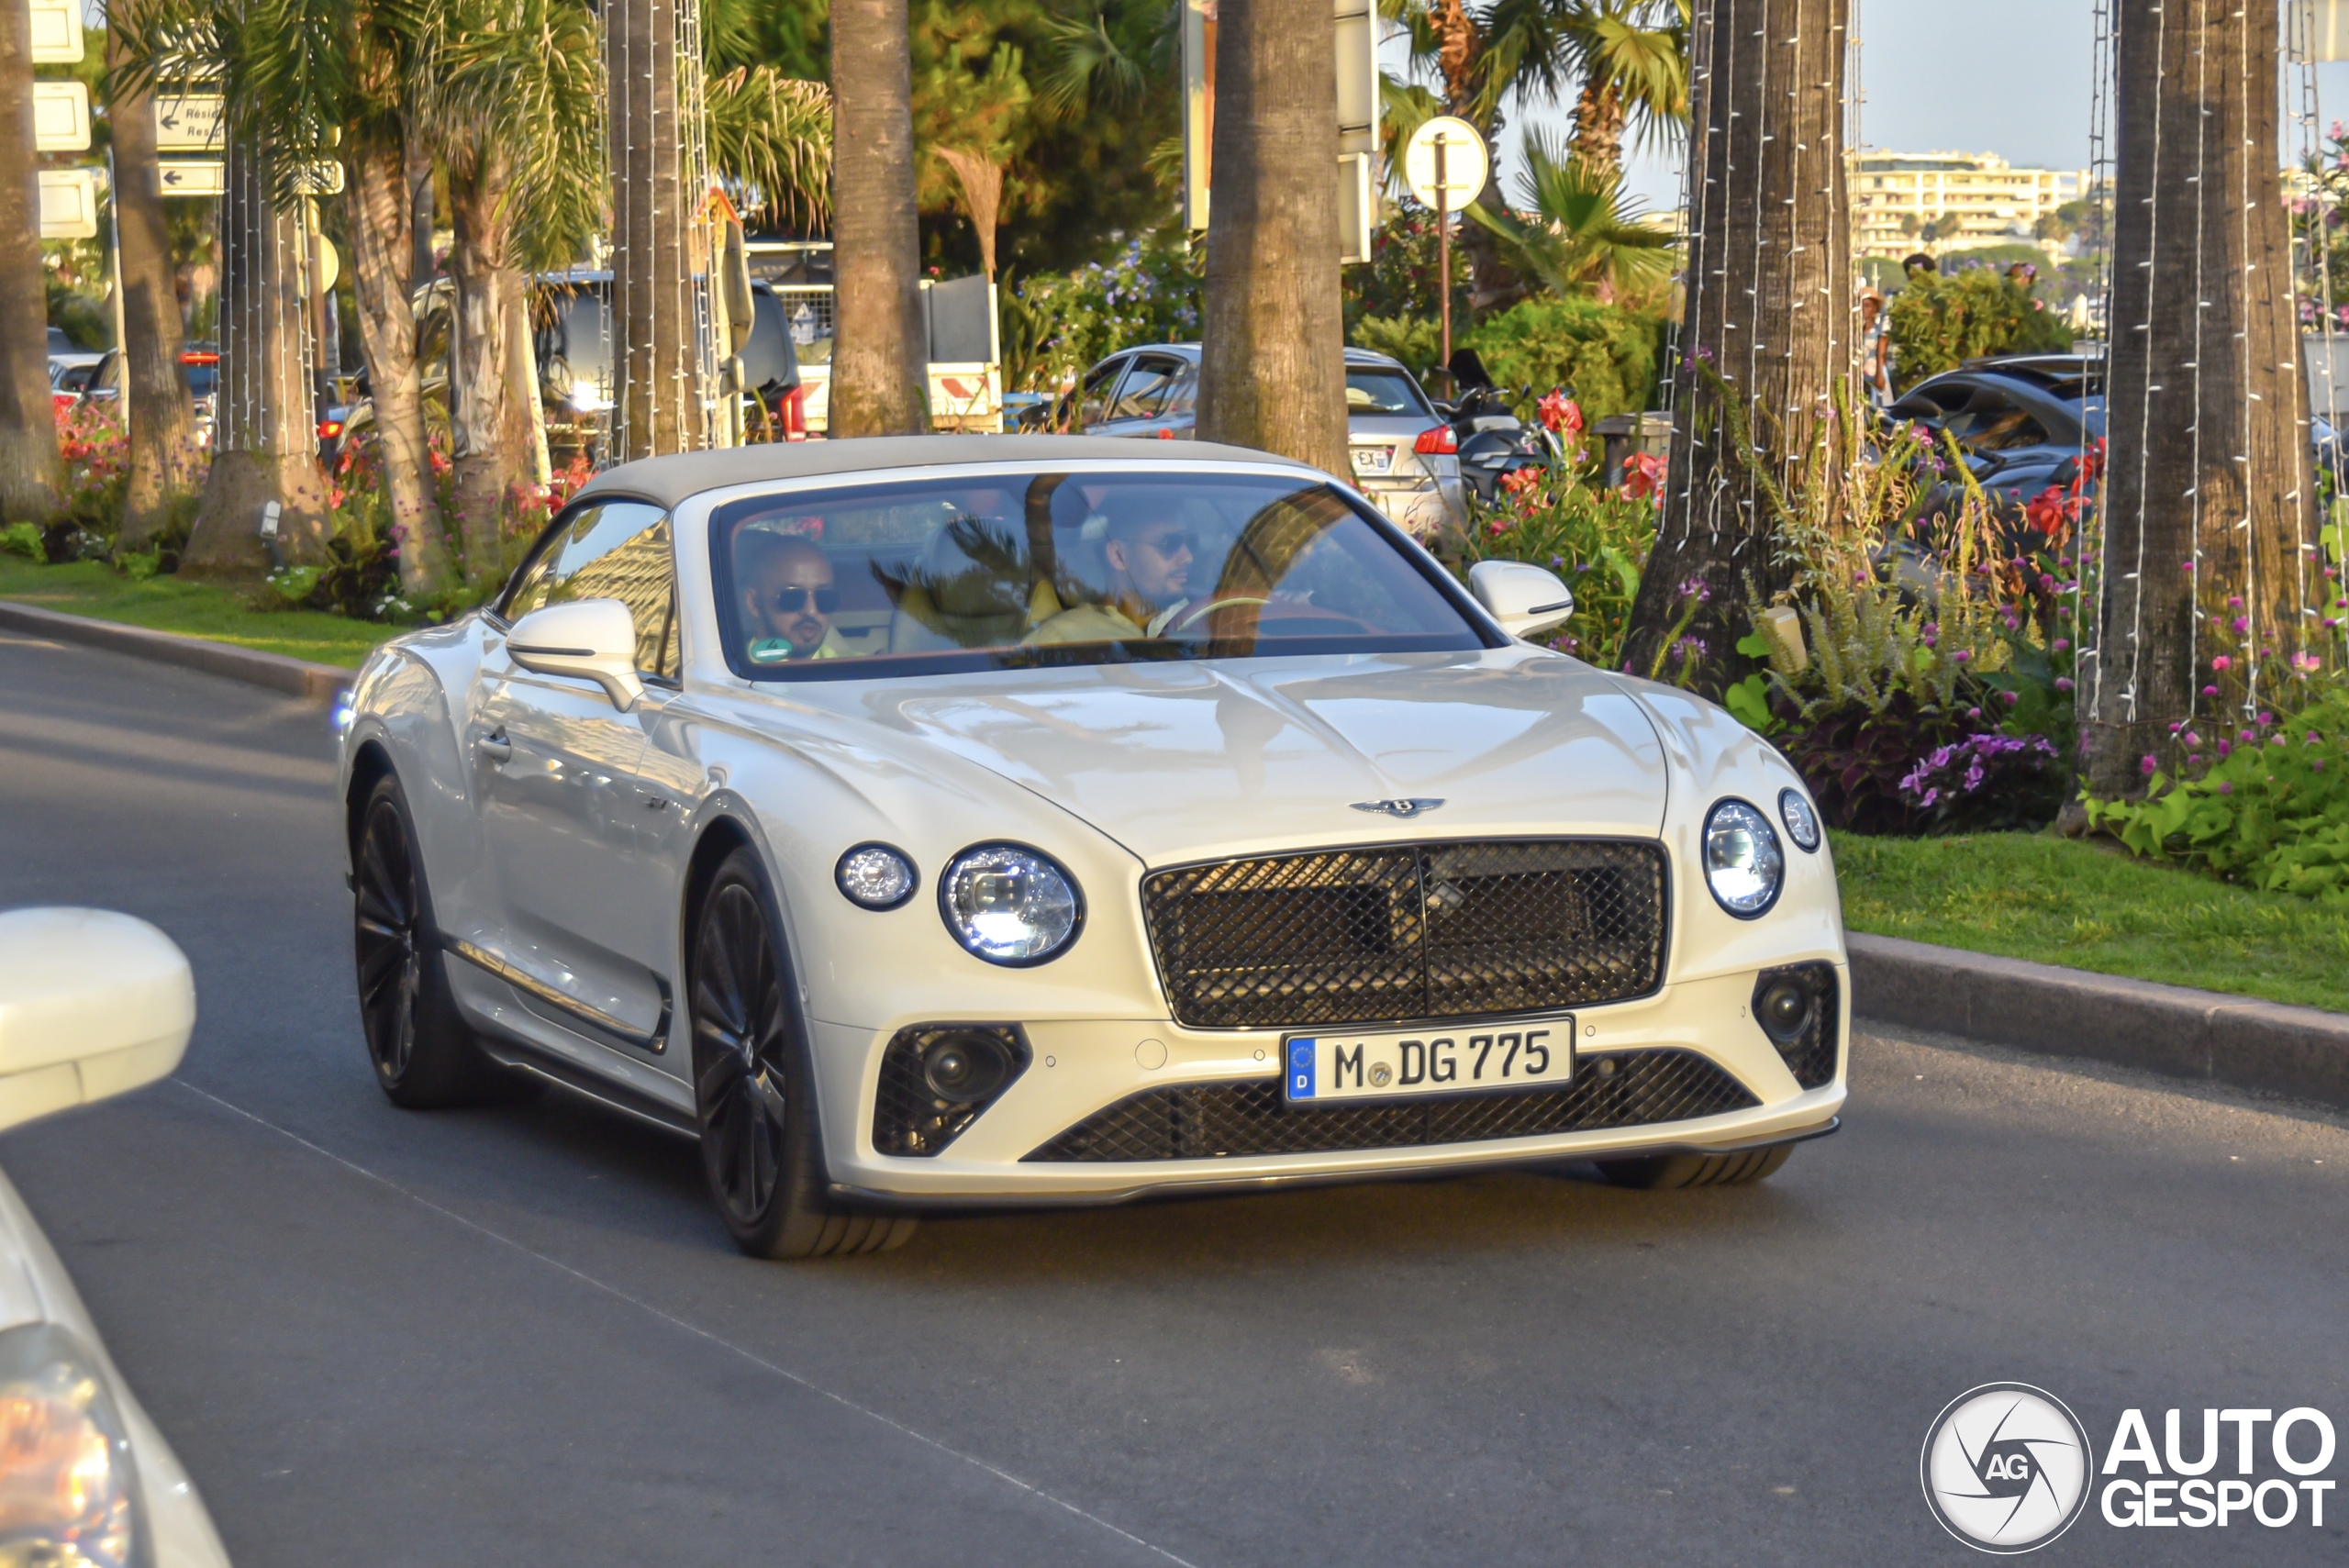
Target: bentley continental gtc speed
984	822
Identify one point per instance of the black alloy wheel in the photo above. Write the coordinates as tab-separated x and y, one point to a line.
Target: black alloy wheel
759	1142
424	1053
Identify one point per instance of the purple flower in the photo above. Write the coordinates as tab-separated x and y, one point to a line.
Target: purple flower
2210	691
2010	698
2148	766
2063	682
2061	645
1963	656
2226	786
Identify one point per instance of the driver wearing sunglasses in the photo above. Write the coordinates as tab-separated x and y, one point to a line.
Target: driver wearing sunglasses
789	596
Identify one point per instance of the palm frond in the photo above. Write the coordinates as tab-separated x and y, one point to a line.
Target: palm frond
522	80
1585	230
771	138
1085	58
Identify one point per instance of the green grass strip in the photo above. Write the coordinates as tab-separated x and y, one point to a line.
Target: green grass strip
2089	905
192	609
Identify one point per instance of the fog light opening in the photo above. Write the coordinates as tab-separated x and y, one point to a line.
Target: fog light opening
1785	1009
966	1066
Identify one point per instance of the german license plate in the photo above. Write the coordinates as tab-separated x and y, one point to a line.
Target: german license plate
1536	1053
1374	459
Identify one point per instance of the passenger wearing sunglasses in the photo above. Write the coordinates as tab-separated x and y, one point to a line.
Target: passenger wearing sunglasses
790	598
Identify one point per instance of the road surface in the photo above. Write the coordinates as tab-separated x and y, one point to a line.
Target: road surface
383	1338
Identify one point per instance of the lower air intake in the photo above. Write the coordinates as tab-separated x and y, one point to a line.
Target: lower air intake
1207	1122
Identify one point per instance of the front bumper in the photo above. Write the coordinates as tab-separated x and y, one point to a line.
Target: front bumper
1081	1067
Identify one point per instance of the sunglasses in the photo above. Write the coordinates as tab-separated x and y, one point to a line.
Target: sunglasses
1172	542
794	599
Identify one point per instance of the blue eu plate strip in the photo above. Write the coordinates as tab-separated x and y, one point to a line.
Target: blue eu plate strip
1300	1068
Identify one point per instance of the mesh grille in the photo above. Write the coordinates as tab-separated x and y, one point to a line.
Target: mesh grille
1810	1058
1408	931
907	1119
1204	1122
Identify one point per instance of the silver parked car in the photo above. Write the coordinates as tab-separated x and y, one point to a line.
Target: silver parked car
1392	430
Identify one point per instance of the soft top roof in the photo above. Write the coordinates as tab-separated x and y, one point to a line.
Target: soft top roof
669	480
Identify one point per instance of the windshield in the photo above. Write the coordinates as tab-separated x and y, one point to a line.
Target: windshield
1019	570
1383	392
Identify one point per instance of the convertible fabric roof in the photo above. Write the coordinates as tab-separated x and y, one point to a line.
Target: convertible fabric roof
669	480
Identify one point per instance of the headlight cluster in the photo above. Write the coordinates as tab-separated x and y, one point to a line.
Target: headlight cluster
1744	865
1005	902
69	1492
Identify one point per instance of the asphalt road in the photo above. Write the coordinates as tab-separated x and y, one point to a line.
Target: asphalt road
485	1336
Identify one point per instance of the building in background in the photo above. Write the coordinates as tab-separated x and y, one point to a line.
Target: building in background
1903	202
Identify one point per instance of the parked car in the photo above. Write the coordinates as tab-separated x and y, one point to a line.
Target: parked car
981	820
200	364
77	378
2018	418
1401	459
92	1003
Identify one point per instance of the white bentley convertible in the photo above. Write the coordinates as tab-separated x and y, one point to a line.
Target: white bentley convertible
971	820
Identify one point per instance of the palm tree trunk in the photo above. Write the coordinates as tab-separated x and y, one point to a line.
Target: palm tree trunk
265	444
1599	119
660	408
880	356
2208	460
1272	367
162	414
1765	336
29	467
487	465
382	250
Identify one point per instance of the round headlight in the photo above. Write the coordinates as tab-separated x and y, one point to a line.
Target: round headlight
1802	822
1009	905
69	1491
875	876
1744	864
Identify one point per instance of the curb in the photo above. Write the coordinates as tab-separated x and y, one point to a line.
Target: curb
2265	1047
298	677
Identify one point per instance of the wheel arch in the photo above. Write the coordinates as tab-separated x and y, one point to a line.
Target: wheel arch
369	766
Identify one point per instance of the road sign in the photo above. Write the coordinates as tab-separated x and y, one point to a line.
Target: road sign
190	124
69	203
319	180
329	265
61	117
1465	163
192	176
57	32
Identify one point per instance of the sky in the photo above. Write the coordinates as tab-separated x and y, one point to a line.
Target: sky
2005	76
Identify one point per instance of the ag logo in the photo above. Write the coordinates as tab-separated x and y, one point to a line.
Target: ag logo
2005	1468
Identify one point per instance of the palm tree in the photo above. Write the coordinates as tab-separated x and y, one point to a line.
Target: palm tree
1765	335
29	466
161	416
1272	370
1586	234
880	370
2208	461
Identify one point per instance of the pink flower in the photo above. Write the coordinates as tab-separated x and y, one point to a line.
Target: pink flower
2061	644
2222	663
2063	682
2148	766
2226	786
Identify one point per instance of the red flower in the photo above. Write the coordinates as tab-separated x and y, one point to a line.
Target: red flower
1560	413
1644	478
2047	511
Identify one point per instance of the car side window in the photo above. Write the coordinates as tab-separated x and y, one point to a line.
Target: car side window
1142	395
1094	405
618	550
1993	421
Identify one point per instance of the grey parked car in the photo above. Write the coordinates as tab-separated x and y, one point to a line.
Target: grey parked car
1152	391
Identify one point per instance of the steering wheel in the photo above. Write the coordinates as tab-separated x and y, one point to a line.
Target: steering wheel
1192	618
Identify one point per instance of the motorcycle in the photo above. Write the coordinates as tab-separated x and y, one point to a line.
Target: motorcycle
1491	441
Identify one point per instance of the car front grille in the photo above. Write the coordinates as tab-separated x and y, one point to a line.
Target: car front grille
1408	931
1207	1122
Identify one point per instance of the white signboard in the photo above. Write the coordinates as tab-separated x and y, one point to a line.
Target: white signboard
192	176
1359	109
61	117
1465	163
57	32
69	203
190	124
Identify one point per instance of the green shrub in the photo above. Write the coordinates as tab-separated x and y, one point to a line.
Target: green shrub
1594	538
1056	325
23	538
1604	355
1941	321
1418	344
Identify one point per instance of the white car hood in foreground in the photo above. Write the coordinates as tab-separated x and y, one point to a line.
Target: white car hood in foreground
1199	759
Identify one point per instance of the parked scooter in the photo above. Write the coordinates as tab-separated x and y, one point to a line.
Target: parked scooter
1492	441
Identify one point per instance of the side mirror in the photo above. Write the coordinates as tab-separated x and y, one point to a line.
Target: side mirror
591	638
92	1003
1524	598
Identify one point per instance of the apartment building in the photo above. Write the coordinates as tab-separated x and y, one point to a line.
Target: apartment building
1969	199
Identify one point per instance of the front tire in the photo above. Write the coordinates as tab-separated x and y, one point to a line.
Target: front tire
424	1054
1662	1173
760	1143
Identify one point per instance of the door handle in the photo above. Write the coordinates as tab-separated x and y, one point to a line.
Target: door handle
495	746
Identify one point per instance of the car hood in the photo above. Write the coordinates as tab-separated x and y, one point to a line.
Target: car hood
1183	762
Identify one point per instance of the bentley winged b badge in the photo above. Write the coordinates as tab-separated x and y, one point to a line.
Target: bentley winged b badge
1405	809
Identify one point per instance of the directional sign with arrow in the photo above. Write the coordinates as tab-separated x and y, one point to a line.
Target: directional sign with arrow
193	176
189	124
